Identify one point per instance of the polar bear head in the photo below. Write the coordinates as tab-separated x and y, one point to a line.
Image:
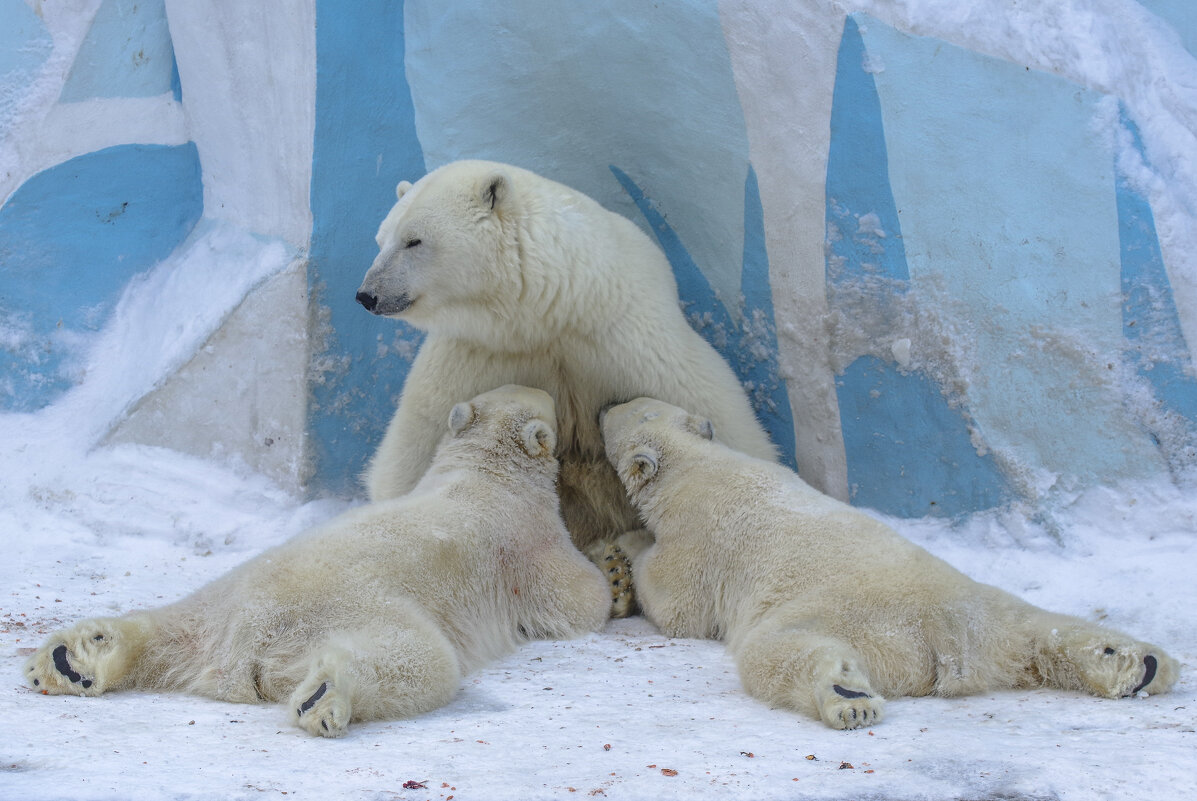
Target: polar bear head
509	427
642	436
447	254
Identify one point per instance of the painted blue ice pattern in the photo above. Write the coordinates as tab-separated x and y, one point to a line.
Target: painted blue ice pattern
908	452
1155	343
364	145
71	238
749	346
127	53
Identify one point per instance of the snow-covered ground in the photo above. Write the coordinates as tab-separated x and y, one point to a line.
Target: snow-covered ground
626	713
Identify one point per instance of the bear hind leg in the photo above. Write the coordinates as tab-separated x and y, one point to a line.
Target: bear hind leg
377	672
1074	654
90	658
805	670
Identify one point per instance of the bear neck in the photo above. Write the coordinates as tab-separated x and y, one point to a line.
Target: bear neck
567	287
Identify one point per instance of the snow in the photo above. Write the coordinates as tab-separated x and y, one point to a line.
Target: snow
129	527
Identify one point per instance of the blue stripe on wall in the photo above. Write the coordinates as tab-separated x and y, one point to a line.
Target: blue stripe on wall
127	53
908	452
750	347
71	237
1156	344
365	143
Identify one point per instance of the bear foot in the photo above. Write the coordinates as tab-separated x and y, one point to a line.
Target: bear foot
320	708
843	708
617	567
1118	670
84	660
846	700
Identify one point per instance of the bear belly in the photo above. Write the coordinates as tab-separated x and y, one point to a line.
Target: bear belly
594	504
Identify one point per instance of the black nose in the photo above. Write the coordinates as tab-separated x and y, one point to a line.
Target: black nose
367	300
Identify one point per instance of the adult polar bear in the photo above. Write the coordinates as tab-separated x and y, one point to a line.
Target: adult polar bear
848	611
519	279
378	613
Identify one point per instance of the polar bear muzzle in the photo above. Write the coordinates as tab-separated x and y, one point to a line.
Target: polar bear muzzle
383	306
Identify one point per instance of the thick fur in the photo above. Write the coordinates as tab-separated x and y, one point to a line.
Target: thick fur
518	279
378	613
827	610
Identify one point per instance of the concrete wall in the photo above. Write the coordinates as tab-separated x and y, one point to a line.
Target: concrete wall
952	261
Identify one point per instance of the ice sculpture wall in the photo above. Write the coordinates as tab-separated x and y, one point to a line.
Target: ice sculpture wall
954	269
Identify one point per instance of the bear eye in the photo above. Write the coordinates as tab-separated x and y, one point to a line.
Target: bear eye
411	243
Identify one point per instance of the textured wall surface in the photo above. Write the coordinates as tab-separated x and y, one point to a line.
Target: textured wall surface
951	273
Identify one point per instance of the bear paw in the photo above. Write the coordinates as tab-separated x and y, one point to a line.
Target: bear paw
320	708
1117	670
617	567
844	708
83	660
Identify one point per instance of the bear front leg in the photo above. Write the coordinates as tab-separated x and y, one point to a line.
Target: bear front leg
810	672
91	658
381	671
1073	654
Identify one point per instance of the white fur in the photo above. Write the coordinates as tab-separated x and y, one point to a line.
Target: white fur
811	594
519	279
385	607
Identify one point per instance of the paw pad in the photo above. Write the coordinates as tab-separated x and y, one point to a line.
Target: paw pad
1150	665
63	666
311	702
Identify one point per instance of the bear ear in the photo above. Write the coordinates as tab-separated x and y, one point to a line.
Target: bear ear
700	426
460	417
495	191
643	464
401	189
538	438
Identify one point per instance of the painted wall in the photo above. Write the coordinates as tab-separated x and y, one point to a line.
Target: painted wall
952	266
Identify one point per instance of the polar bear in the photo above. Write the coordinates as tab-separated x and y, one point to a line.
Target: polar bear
378	613
827	610
518	279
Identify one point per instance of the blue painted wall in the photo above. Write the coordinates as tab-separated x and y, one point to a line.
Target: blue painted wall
365	143
909	451
467	99
25	44
70	239
1181	15
1155	345
999	309
1001	258
127	53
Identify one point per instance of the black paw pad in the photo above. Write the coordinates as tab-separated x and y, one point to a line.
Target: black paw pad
311	702
1150	665
64	667
842	693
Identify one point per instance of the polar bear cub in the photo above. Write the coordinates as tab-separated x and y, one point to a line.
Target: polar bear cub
519	279
827	610
378	613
